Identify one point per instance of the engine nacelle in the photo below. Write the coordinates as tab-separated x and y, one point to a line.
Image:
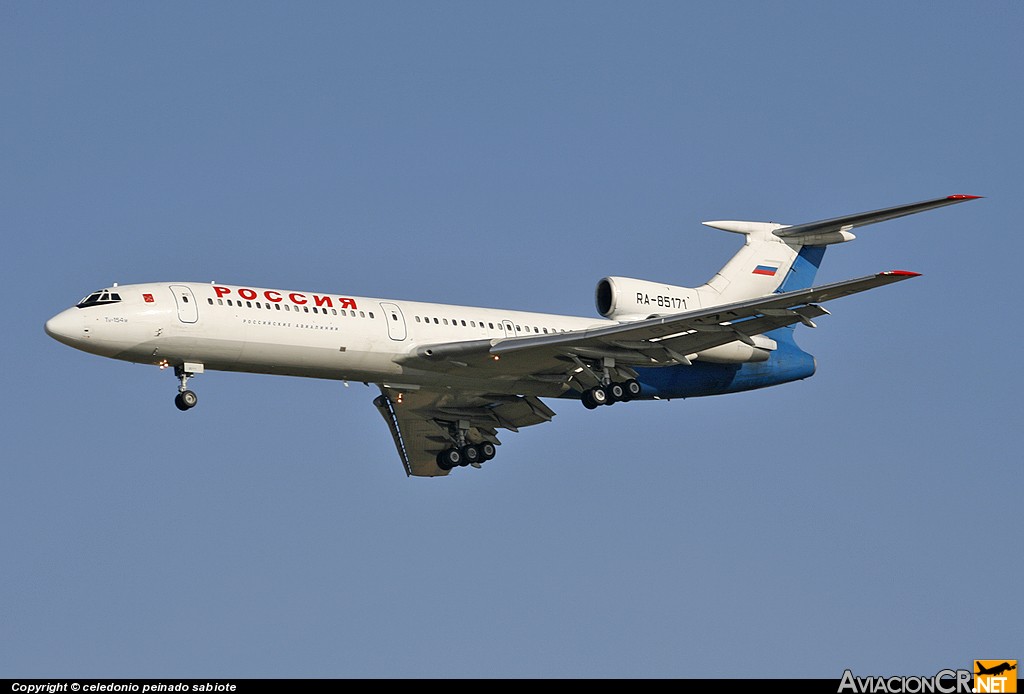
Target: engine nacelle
625	298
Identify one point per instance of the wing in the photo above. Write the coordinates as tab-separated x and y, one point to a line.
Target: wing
562	359
425	422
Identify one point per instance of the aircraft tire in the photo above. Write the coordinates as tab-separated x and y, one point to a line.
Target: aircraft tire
179	404
449	458
588	400
632	387
600	395
470	455
487	451
616	393
189	399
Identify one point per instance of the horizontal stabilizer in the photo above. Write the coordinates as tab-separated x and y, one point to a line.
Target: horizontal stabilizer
851	221
744	227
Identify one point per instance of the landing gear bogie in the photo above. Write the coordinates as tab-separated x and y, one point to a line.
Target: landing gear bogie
470	454
610	393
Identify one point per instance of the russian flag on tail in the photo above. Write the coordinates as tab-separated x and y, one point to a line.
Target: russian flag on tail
766	270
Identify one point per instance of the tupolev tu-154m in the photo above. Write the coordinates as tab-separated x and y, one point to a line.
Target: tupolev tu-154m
451	376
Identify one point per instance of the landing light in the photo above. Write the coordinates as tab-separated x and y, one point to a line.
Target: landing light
496	357
163	364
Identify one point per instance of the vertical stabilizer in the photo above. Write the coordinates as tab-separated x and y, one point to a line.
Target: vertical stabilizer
761	267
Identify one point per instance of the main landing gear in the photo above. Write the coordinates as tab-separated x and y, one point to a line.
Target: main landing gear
610	393
463	453
470	454
186	399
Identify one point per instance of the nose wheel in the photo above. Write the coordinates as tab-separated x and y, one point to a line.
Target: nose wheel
186	399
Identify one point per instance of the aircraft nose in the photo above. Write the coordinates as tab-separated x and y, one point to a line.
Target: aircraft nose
65	327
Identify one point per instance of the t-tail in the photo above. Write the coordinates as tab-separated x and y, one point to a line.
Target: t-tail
775	258
781	258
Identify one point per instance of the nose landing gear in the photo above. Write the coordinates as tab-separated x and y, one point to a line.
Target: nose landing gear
186	399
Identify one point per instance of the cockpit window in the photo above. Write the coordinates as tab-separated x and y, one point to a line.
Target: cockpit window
103	296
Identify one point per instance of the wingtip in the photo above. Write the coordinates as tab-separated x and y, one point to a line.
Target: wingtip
964	197
901	273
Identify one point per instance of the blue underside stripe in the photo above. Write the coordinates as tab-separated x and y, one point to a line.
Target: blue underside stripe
787	363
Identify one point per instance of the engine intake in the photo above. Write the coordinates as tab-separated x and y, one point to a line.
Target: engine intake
625	298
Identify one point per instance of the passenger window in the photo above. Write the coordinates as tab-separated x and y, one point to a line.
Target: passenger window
220	302
417	319
334	311
277	306
445	321
472	323
362	315
435	321
518	328
371	314
211	301
184	298
463	324
491	326
258	305
248	304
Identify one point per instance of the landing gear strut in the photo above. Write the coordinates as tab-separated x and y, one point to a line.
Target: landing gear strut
463	453
186	399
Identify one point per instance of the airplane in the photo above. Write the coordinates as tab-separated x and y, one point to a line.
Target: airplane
996	670
450	376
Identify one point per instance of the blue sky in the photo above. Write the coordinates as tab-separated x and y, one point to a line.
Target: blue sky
511	155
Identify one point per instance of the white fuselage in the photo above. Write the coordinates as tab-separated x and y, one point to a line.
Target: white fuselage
312	334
